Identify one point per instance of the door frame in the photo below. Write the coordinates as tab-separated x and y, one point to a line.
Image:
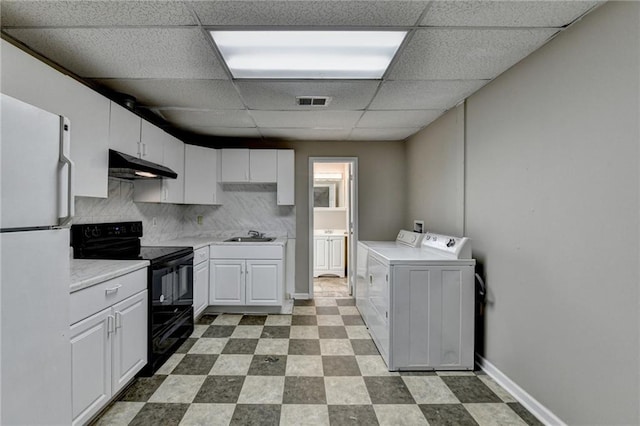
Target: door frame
353	206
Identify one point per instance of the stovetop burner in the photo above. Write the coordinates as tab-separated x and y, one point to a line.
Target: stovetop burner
118	241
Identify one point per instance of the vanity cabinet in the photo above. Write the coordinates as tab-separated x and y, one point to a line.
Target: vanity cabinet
329	255
246	275
202	178
108	339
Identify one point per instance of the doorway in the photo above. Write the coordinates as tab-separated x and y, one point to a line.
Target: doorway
332	226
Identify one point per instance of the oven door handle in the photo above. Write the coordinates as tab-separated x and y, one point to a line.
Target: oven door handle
180	261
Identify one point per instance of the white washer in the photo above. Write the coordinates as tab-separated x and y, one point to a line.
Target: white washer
418	302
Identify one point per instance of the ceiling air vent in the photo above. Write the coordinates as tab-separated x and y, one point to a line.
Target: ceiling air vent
313	101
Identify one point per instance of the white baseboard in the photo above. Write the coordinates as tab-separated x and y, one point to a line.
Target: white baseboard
301	296
530	403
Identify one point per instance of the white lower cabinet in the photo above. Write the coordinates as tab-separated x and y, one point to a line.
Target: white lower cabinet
108	348
200	281
246	282
236	280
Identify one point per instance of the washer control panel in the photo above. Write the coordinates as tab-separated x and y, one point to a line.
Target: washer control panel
459	247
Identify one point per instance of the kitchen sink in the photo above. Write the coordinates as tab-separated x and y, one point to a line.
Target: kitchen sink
249	240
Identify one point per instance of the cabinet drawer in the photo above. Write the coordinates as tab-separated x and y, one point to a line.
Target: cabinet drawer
245	251
100	296
201	255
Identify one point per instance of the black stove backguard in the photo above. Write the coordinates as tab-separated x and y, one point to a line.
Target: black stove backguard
169	282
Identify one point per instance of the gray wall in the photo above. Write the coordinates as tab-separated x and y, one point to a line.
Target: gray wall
551	205
435	183
381	192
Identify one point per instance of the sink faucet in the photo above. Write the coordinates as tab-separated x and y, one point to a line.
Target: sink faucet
256	234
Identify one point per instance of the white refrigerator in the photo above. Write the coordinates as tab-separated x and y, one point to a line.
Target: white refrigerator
36	206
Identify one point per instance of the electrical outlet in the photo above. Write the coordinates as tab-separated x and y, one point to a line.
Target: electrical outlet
199	220
154	221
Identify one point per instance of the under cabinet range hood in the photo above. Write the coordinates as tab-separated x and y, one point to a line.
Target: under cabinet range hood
125	166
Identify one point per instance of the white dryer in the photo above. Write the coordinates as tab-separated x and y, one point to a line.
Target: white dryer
418	302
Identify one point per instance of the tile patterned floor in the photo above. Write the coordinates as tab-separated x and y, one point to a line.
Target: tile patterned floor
318	366
327	286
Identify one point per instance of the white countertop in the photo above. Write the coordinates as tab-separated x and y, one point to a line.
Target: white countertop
88	272
202	241
329	232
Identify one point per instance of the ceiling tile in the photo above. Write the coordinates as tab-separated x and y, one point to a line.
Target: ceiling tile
204	94
207	118
343	12
397	134
235	132
436	94
393	119
310	119
126	52
486	13
94	13
307	134
468	54
267	95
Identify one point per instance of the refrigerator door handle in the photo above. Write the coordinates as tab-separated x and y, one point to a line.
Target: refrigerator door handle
65	148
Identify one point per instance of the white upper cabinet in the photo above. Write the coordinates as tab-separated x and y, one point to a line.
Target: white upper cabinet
34	82
253	166
151	142
235	165
164	190
286	177
174	159
263	165
124	130
202	175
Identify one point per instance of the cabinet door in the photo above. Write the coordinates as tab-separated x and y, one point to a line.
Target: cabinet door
152	142
264	282
200	288
173	189
226	282
129	343
90	365
320	256
286	177
201	175
336	255
34	82
124	130
263	165
235	165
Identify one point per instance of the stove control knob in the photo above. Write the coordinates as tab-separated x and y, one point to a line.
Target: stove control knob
87	232
95	232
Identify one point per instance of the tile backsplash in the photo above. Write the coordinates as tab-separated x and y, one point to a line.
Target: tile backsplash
245	206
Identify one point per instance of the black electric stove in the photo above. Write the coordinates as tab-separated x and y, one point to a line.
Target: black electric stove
169	283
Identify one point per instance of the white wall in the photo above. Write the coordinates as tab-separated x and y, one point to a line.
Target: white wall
552	207
381	192
435	184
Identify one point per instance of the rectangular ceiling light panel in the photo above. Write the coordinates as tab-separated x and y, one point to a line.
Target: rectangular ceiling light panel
308	54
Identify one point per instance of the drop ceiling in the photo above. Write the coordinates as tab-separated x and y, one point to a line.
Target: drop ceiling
160	53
